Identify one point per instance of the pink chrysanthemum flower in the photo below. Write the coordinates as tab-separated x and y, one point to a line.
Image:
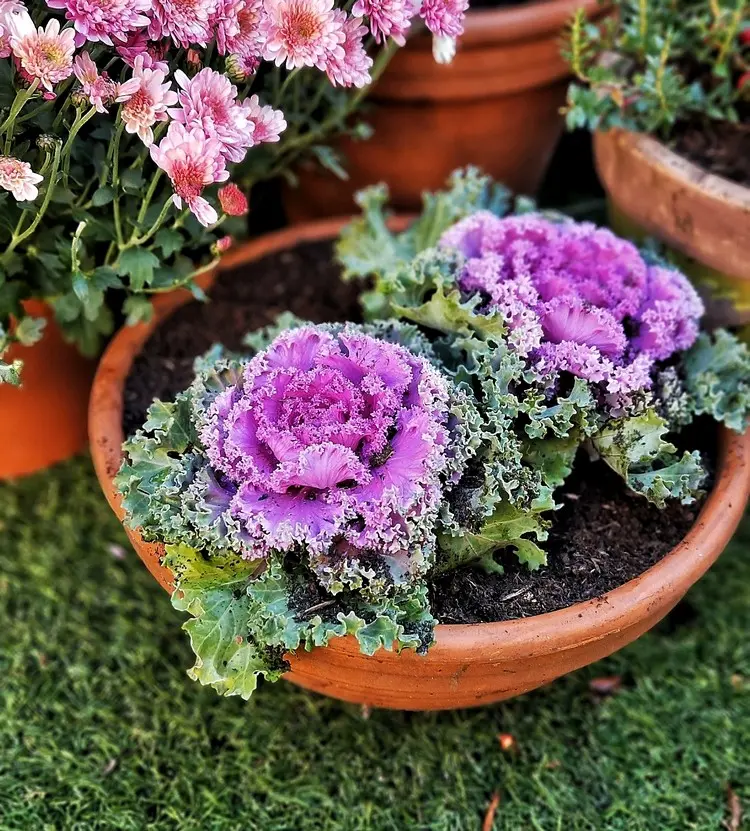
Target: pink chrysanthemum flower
223	244
192	161
232	200
18	177
152	52
353	69
47	54
387	18
302	33
209	101
147	102
103	20
237	24
186	22
15	20
100	89
444	18
269	123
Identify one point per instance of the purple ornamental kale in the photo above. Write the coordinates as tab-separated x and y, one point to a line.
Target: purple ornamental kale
334	441
576	297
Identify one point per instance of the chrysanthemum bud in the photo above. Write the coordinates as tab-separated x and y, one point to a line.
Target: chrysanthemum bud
235	69
222	245
233	200
194	58
79	99
47	142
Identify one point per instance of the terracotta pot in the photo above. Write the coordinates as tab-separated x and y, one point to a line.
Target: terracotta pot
44	420
704	218
469	664
496	106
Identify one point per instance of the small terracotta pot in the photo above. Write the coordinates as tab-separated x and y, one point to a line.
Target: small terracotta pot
44	420
469	664
495	106
704	218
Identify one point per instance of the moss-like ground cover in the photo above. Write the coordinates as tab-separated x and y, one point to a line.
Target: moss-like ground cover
100	728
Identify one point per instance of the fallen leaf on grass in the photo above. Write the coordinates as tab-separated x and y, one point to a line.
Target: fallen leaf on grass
734	821
109	767
489	817
737	681
606	685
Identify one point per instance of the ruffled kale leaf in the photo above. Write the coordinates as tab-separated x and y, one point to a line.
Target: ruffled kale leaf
291	612
424	292
213	591
158	467
637	450
530	437
367	247
245	616
520	528
716	372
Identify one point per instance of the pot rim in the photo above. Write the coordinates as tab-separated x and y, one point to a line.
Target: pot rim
656	153
587	621
530	21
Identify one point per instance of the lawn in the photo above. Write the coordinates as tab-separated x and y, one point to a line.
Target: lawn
100	728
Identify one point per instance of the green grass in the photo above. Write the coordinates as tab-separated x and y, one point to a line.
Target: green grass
101	728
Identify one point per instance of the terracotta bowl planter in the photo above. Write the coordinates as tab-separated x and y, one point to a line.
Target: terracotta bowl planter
496	106
703	217
44	420
469	664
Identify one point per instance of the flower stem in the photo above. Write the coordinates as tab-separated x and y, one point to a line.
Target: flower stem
79	122
22	96
149	196
17	239
133	241
115	157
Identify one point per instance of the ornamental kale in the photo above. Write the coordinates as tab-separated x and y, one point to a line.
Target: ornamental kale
576	298
338	442
314	473
564	333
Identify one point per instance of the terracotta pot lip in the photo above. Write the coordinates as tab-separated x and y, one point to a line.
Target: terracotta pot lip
691	175
529	22
556	631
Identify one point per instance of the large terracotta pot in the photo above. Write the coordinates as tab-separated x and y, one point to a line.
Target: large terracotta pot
469	664
704	218
495	106
44	420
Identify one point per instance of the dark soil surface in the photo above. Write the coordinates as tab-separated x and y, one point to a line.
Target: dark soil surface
602	537
719	147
